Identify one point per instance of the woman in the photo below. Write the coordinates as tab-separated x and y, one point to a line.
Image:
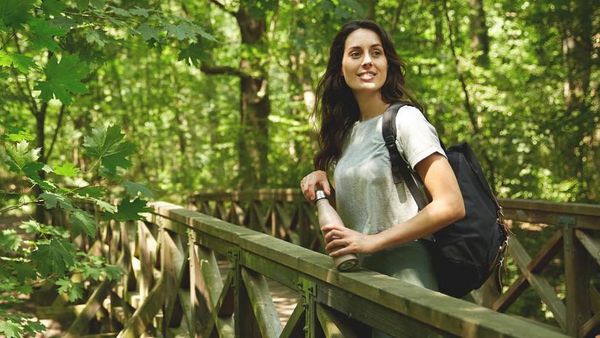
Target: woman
364	76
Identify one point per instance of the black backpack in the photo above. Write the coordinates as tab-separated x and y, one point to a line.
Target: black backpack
466	252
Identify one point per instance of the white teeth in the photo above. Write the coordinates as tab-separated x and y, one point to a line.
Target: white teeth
367	76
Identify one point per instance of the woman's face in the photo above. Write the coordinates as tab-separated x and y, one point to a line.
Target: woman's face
364	65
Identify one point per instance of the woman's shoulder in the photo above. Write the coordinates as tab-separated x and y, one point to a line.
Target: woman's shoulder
408	112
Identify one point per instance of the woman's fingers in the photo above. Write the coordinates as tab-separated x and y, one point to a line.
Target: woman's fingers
310	182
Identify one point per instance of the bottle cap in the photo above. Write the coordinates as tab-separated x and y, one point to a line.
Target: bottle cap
320	195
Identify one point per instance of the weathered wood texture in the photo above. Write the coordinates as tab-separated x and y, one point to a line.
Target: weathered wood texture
285	214
173	285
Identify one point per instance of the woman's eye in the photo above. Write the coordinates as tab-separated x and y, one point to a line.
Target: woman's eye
377	53
354	54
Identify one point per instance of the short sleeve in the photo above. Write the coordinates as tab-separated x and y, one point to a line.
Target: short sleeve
416	137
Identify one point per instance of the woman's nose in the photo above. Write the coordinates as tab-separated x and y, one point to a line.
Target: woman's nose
367	60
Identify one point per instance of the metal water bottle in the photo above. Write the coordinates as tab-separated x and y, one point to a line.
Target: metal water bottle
328	215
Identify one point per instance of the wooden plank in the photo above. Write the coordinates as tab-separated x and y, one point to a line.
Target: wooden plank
591	244
334	325
510	296
546	253
142	318
295	324
577	278
80	325
375	315
173	261
219	319
540	284
552	207
592	326
262	304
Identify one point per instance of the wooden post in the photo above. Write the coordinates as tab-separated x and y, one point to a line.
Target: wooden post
244	323
309	294
577	277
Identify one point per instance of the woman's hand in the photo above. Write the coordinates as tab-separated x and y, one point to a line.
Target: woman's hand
310	182
341	240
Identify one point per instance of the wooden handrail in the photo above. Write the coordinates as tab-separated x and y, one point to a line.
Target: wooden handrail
376	300
285	214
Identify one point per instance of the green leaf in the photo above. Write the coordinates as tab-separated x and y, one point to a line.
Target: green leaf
105	205
21	135
140	12
63	79
73	290
66	169
52	200
53	7
99	4
107	144
44	33
97	38
21	62
130	210
10	329
13	13
33	227
194	53
120	11
20	155
54	256
91	191
181	31
136	189
9	240
82	4
25	271
148	32
83	222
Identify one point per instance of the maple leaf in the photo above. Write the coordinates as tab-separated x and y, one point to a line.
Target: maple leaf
181	31
130	210
10	329
83	222
53	256
21	62
108	146
9	240
66	169
13	13
53	7
147	32
63	79
73	290
52	200
44	33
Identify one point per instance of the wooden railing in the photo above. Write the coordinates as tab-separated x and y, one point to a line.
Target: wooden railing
576	234
173	286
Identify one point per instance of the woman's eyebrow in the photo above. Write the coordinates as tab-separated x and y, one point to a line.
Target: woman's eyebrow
372	46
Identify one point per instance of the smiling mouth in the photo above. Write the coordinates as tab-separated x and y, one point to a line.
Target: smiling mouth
366	76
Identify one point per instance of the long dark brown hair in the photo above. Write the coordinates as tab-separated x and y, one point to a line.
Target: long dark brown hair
336	108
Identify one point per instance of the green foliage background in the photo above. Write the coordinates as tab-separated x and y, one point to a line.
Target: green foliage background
139	64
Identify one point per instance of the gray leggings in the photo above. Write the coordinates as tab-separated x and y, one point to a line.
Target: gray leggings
409	262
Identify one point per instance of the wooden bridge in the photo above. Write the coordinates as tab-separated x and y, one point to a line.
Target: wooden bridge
189	274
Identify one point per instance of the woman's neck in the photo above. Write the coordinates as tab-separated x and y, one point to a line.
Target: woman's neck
370	105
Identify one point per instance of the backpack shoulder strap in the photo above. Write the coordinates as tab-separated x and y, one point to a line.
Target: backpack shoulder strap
401	170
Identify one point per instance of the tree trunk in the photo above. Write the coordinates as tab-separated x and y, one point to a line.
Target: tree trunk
40	120
255	106
480	40
577	52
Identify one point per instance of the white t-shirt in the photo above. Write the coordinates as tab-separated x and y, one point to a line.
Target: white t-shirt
366	197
